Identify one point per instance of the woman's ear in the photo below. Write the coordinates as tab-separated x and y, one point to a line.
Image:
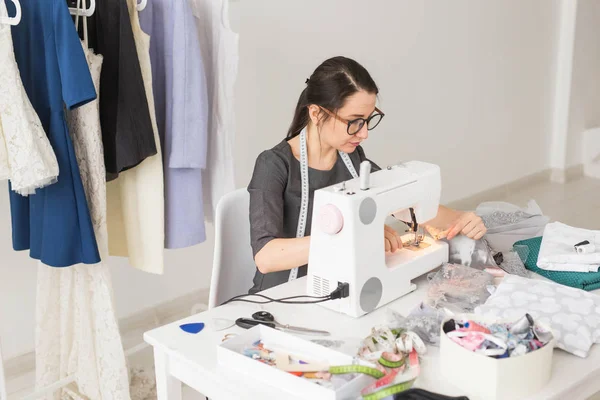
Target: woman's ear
315	114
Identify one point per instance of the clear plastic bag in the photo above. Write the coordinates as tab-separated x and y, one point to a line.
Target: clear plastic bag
513	261
458	289
470	253
424	320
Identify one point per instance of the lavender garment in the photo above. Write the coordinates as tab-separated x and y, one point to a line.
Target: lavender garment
181	101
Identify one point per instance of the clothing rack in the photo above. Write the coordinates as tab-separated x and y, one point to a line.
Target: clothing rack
86	10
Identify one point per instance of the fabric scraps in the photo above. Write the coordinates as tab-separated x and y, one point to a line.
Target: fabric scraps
499	340
572	314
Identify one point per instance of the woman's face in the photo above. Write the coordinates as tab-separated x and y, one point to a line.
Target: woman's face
334	131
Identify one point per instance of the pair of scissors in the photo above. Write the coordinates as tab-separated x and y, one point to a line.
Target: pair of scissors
267	319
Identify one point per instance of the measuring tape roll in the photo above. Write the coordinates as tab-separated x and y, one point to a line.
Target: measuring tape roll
389	363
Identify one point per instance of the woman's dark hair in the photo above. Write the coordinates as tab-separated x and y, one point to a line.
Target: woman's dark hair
329	86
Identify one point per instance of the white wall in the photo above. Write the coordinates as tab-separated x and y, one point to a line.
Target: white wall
465	84
584	108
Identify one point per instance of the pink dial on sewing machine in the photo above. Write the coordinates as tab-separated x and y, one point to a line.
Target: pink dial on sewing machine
331	220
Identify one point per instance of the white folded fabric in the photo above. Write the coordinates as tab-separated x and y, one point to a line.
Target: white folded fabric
558	253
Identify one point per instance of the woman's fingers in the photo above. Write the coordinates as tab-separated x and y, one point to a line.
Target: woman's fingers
479	235
470	228
394	241
389	229
468	224
458	226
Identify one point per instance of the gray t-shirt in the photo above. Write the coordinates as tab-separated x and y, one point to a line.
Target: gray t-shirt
275	197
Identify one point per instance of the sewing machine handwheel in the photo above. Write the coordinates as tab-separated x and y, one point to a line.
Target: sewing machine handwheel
331	220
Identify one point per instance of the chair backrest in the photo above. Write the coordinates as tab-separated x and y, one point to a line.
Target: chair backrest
233	261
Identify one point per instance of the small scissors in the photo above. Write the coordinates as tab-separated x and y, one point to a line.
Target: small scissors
267	319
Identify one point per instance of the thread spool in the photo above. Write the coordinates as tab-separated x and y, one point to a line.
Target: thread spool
585	248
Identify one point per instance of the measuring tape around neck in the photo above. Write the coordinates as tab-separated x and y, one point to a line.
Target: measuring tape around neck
305	189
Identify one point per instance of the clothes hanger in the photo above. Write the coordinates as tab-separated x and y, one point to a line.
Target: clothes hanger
79	13
88	12
141	5
13	20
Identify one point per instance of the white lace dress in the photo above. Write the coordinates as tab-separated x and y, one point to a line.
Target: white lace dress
26	156
85	131
77	331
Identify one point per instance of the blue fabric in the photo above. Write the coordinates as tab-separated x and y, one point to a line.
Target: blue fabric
181	102
55	222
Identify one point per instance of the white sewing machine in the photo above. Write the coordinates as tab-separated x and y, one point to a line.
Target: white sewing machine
347	242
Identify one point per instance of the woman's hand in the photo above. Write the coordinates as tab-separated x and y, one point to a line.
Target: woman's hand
468	224
448	223
392	239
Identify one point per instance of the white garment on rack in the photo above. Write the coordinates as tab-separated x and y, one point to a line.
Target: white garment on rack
219	46
86	134
26	156
136	218
76	327
77	333
557	252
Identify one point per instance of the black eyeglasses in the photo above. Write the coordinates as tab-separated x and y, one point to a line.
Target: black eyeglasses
355	125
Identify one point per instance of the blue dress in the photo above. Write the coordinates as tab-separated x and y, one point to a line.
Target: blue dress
55	222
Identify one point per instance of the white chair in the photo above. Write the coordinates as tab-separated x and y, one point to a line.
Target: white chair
233	261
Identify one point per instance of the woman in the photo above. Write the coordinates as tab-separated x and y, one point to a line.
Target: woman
333	116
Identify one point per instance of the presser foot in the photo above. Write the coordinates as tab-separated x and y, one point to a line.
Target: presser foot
416	242
415	246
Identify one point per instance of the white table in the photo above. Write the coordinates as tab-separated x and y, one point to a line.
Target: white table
192	359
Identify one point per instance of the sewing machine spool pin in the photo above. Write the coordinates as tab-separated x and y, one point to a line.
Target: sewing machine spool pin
365	174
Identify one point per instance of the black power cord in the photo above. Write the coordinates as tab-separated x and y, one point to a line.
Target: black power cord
342	291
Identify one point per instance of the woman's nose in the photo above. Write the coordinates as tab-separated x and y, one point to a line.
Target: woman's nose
363	133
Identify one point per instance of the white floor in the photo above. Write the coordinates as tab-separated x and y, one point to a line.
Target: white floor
576	203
